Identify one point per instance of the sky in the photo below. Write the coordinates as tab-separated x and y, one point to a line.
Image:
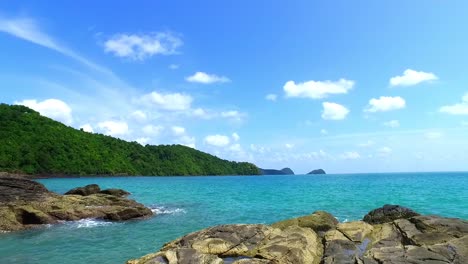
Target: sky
347	86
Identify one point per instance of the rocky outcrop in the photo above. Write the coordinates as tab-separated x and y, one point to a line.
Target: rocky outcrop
319	238
388	213
318	171
84	191
115	192
26	203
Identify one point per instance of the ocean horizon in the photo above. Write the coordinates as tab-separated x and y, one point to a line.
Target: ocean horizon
186	204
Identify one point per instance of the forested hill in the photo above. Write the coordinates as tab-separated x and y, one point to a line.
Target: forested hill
33	144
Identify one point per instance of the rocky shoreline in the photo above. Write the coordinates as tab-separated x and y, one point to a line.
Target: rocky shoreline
27	204
391	234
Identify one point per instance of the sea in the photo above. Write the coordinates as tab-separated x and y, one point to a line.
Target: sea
186	204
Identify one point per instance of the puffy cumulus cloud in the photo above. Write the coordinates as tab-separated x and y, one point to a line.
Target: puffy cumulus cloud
143	140
142	46
235	136
235	147
433	135
457	109
350	155
392	123
187	141
385	103
168	101
52	108
334	111
317	89
114	128
232	114
384	151
152	130
289	145
87	128
178	130
412	77
217	140
202	113
271	97
138	116
205	78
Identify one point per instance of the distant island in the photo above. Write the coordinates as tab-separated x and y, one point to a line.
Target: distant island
284	171
318	171
36	145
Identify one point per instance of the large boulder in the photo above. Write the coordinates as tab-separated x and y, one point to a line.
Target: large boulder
319	221
241	244
84	191
115	192
388	213
25	204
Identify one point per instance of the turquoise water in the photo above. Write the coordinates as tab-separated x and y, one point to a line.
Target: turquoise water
186	204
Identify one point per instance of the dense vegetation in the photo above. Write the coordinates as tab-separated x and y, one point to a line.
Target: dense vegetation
33	144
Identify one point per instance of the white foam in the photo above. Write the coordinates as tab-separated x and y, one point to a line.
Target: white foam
164	210
87	223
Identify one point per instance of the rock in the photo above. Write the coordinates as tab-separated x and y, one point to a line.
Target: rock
13	189
415	239
25	204
115	192
318	171
243	244
85	191
319	221
388	213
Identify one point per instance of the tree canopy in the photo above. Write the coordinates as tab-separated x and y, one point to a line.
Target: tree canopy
34	144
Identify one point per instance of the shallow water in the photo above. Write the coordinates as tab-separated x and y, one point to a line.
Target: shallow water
186	204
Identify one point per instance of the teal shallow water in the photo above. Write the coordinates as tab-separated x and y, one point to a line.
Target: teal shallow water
186	204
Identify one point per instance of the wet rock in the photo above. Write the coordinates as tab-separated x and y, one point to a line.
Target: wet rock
25	204
115	192
388	213
84	191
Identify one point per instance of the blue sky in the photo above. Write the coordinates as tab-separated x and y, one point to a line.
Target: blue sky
348	86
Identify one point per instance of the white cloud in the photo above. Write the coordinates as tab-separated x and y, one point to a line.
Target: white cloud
412	77
235	136
174	66
457	109
232	114
205	78
271	97
323	132
367	144
217	140
433	135
152	130
384	151
317	89
52	108
392	123
351	155
114	128
235	147
168	101
289	146
139	116
202	113
87	128
28	29
385	103
186	141
334	111
142	46
143	140
178	130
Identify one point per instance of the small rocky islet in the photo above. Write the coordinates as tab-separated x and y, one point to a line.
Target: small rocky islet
388	235
26	204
